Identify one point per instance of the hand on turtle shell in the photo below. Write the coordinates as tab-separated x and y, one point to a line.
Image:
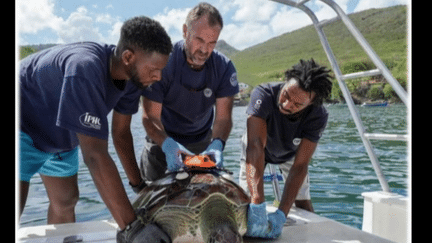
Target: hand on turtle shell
173	151
257	221
277	221
215	149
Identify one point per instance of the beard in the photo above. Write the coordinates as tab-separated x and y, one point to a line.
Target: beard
285	111
294	116
135	79
198	58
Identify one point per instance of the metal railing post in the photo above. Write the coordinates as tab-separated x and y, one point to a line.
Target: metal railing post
275	182
356	116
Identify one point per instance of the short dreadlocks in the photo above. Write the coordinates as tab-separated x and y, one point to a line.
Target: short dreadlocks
311	77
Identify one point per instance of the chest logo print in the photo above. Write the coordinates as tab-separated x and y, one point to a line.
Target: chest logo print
208	92
89	120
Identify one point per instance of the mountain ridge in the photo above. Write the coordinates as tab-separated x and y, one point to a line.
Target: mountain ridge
226	48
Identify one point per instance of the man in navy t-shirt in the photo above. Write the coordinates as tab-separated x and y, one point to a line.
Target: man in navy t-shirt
285	122
66	94
179	111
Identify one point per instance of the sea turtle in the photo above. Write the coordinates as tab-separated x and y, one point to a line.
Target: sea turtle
197	204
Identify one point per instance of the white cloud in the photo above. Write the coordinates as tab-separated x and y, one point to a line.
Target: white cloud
81	25
36	15
173	20
254	10
288	19
255	21
105	18
247	22
114	34
223	6
246	34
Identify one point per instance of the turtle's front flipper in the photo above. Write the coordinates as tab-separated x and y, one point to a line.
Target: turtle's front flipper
154	234
136	232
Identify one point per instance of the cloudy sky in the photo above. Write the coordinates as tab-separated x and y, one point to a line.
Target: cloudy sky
246	22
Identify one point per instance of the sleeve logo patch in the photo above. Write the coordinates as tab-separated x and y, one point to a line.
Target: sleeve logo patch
297	141
233	79
89	120
258	104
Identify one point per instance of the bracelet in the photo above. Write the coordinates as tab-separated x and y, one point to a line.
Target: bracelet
138	187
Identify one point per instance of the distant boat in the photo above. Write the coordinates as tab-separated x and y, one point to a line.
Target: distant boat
240	102
375	104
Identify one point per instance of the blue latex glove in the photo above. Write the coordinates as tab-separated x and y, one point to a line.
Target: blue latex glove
257	221
277	221
215	149
173	151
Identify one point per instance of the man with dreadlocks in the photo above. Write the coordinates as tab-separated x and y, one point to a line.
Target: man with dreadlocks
285	122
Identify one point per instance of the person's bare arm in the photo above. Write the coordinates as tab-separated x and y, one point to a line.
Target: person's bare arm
106	178
152	121
297	174
123	142
223	120
256	142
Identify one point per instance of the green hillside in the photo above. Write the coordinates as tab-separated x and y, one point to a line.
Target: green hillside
384	29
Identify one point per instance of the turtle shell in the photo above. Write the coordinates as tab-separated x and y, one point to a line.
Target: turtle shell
192	204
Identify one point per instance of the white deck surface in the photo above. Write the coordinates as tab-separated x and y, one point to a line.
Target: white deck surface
308	227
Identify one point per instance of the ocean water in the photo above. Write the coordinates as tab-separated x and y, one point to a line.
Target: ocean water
340	169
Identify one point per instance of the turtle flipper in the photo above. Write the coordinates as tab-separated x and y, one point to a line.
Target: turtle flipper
154	234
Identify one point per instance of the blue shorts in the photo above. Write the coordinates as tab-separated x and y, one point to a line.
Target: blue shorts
33	161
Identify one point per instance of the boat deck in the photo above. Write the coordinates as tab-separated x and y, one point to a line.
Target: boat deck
302	226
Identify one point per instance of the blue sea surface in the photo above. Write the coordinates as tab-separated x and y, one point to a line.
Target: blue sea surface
340	169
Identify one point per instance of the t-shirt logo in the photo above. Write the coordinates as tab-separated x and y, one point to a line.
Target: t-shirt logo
208	92
296	141
233	79
258	104
89	120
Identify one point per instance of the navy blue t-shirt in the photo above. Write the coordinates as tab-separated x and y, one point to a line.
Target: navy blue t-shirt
284	134
188	96
67	89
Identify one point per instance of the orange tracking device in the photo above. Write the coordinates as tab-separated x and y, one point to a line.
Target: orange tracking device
200	161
